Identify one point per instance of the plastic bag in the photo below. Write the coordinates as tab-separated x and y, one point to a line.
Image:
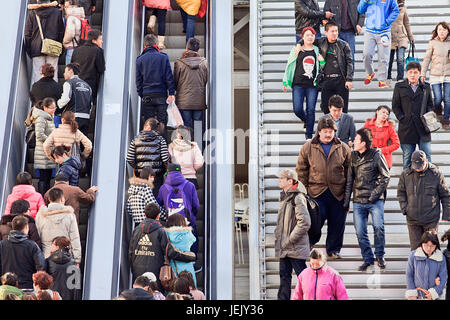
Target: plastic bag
174	118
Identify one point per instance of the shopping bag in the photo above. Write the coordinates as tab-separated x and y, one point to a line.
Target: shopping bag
174	118
410	57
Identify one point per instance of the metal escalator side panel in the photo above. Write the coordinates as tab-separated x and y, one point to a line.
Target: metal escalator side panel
14	93
106	216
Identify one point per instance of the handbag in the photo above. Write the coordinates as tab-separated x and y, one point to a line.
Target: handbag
75	151
50	47
166	274
429	119
410	57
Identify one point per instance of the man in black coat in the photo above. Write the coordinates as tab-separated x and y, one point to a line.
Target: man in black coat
52	28
408	103
149	243
91	58
308	14
20	255
348	19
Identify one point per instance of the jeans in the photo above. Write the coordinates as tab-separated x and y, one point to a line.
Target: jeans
298	96
161	16
416	231
190	116
69	53
286	266
408	150
331	210
441	92
188	24
400	63
383	43
349	37
360	217
332	86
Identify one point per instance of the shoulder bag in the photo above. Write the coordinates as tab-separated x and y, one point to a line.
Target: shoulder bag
50	47
166	274
429	119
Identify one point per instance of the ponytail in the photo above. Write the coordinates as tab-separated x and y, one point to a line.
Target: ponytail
69	118
154	124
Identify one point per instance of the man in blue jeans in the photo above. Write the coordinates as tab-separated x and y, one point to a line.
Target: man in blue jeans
367	179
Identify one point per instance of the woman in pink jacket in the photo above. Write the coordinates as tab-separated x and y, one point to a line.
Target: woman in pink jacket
319	281
25	190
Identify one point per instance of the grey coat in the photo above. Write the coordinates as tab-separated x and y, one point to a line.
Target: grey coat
346	130
44	125
291	233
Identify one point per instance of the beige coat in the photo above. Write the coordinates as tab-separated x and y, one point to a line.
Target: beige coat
73	27
293	223
55	221
319	173
63	136
401	31
437	55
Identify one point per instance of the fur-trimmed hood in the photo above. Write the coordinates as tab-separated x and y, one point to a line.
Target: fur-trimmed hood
182	145
436	256
135	181
42	5
55	211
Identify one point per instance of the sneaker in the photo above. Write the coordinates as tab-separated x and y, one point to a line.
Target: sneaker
389	83
369	78
364	266
381	263
335	255
382	84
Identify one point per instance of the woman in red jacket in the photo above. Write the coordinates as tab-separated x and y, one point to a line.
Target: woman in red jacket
383	131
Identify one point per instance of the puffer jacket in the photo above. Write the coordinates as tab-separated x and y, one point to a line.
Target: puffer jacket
385	138
148	248
319	173
71	169
420	195
188	156
58	220
63	136
401	31
322	284
61	266
157	4
367	178
73	27
191	7
148	149
437	55
191	76
52	27
140	194
44	126
6	227
422	272
293	223
25	192
307	14
182	239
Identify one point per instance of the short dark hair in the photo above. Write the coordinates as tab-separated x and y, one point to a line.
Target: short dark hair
181	286
142	281
193	44
330	24
20	206
366	136
152	210
94	34
326	123
55	194
150	40
336	101
61	178
75	67
176	220
19	223
10	279
24	178
430	235
413	65
146	173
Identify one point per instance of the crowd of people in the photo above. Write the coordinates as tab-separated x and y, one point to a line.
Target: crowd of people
340	164
40	248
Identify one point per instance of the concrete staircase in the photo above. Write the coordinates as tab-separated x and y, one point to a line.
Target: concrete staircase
175	43
284	136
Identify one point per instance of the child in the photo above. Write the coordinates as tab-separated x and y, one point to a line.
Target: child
195	293
69	166
182	238
446	237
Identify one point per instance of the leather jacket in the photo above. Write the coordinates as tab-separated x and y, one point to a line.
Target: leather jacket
367	178
307	14
344	56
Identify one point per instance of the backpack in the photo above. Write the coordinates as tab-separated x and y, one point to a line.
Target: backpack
85	28
315	230
176	201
